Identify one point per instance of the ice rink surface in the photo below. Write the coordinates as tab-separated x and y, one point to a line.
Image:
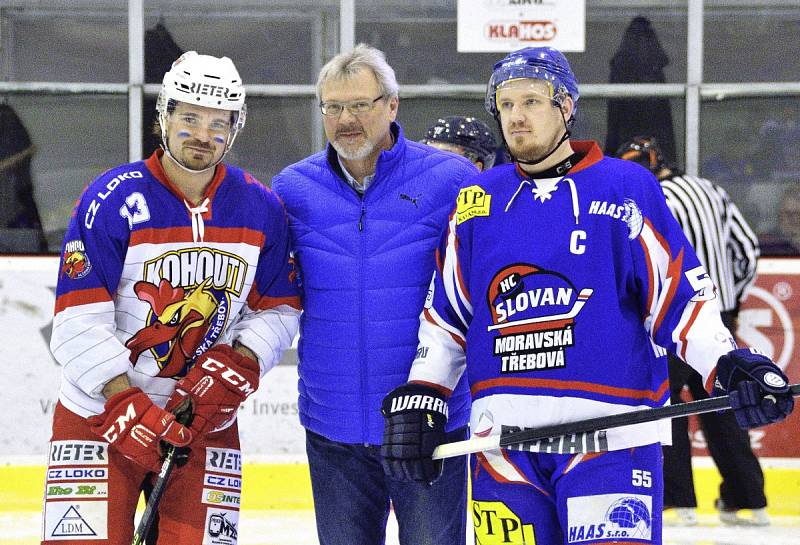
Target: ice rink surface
296	527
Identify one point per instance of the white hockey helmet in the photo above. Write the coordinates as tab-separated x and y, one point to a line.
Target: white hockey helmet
207	81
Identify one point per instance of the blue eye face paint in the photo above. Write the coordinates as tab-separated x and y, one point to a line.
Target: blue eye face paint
218	139
184	134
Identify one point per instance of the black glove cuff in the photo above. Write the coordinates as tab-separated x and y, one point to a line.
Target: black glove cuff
411	397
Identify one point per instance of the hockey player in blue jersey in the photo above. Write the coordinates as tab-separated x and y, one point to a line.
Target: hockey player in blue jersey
561	282
175	284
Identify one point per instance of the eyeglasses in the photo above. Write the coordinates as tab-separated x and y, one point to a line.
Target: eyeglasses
355	107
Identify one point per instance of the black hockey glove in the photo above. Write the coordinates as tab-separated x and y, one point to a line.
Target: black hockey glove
758	389
415	416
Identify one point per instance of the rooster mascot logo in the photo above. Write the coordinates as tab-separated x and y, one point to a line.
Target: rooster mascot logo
182	324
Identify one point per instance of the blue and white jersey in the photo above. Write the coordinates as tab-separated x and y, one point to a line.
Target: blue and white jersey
561	298
148	282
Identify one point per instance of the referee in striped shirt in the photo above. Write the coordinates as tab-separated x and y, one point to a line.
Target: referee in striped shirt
728	249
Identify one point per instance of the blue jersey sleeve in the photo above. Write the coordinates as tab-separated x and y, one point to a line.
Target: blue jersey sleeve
679	301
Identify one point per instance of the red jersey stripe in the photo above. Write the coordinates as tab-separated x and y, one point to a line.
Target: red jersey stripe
257	301
81	297
685	330
244	235
588	387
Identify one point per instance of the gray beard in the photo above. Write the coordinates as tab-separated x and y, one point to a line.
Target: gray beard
355	155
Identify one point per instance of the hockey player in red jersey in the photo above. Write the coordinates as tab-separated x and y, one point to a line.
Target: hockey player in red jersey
175	289
562	280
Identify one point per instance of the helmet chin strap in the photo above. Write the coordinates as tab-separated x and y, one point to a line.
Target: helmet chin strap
564	137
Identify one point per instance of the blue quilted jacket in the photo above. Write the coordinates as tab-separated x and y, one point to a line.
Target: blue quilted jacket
365	263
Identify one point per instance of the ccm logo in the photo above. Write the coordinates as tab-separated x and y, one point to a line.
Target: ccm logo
112	434
524	31
228	374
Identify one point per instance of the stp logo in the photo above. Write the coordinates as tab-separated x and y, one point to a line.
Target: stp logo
523	31
765	323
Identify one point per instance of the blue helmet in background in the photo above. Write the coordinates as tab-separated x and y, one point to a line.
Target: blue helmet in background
543	63
470	133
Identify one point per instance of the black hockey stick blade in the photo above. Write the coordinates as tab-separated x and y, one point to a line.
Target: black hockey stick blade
183	414
492	442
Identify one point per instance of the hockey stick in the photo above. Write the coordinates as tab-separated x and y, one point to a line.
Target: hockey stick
183	414
492	442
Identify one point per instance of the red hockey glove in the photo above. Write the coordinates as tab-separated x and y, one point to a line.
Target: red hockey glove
134	426
758	389
414	420
220	380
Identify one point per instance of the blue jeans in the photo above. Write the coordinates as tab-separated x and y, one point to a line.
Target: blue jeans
352	493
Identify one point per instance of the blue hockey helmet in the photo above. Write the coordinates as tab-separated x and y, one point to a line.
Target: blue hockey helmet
545	63
470	133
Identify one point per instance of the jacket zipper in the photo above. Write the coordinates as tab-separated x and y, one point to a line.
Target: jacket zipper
361	328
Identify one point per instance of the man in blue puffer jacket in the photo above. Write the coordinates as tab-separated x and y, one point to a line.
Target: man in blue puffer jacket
365	216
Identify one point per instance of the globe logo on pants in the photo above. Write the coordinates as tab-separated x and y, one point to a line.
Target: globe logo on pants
631	514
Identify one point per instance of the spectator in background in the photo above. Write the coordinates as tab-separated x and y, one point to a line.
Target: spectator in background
466	136
365	215
19	209
786	240
777	137
728	249
640	59
160	50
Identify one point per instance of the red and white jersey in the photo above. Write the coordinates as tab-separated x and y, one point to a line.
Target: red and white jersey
148	282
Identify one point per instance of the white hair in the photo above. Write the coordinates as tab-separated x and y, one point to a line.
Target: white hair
346	65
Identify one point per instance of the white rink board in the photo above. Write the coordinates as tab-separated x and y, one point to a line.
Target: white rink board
30	376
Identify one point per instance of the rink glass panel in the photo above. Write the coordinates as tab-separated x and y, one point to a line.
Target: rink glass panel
419	38
744	43
76	138
749	145
276	135
416	115
81	43
268	42
591	122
